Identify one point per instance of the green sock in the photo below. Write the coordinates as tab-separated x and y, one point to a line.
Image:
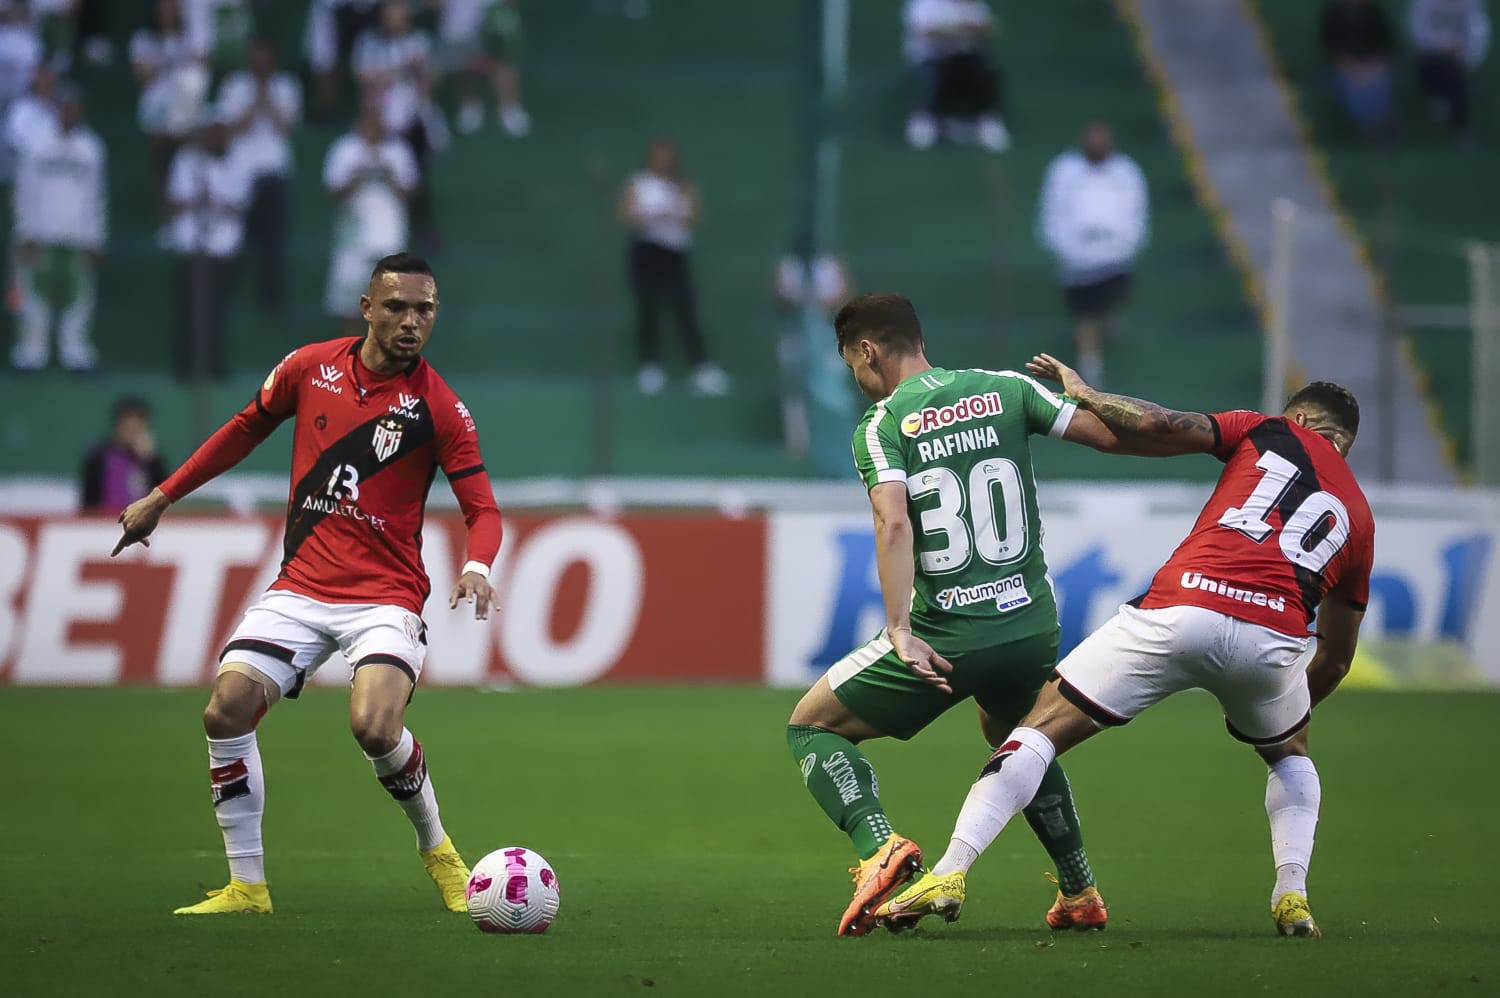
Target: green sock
843	783
1053	817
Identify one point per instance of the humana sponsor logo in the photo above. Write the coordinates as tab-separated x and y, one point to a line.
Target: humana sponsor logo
1008	594
1195	580
936	417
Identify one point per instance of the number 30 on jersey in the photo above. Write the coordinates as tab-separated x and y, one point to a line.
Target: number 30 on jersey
972	526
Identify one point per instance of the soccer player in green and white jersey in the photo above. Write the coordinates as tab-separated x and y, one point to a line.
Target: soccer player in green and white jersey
969	609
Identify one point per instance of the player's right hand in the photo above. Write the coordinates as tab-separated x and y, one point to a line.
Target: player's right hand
921	659
1045	365
139	519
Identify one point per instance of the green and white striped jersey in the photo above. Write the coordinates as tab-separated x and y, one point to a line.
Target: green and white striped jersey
960	442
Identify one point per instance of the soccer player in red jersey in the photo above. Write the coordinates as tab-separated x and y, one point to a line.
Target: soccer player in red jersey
374	423
1285	537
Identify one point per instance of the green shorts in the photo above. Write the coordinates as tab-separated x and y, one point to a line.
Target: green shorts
883	692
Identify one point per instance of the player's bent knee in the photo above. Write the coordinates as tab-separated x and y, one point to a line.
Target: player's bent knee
377	729
235	706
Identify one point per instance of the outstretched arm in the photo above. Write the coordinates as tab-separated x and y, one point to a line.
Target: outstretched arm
1138	426
226	448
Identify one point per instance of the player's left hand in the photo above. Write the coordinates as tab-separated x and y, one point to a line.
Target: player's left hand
477	590
921	659
1049	367
139	519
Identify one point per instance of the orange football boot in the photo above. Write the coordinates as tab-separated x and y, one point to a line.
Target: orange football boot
1084	910
876	879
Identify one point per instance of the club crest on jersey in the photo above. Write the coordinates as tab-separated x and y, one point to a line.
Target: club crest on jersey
387	437
330	373
914	424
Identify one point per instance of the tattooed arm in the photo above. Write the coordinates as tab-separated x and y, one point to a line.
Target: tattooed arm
1139	427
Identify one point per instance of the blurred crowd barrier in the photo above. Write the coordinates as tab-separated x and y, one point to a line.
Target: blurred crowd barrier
771	596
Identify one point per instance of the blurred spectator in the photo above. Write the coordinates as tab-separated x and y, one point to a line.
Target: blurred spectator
1450	38
392	64
91	32
332	27
371	175
222	31
20	51
126	465
801	292
70	27
33	115
660	208
958	90
1358	44
262	105
481	41
170	68
1094	221
56	22
209	191
61	215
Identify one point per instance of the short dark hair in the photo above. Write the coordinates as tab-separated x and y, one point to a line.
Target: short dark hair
884	317
401	263
129	405
1335	401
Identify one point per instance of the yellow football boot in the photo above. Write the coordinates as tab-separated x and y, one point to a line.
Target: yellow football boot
449	871
1293	917
236	898
928	895
876	879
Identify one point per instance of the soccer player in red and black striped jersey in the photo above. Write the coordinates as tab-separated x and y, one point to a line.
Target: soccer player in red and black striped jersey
374	423
1285	538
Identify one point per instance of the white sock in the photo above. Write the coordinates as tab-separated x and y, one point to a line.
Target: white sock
403	773
1006	785
1292	797
239	789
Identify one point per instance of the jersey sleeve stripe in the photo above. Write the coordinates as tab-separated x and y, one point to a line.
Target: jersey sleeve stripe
890	475
1063	421
454	476
872	438
1218	434
260	407
1047	394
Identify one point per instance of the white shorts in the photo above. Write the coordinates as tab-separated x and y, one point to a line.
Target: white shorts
1141	657
286	636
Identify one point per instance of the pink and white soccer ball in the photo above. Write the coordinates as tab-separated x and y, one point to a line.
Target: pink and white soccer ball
512	890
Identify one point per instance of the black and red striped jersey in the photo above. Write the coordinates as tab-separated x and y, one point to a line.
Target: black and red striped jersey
1286	526
365	451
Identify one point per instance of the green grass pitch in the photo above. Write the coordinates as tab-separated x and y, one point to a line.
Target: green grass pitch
693	863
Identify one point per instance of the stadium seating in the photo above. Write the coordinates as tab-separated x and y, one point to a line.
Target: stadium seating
1413	199
532	267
